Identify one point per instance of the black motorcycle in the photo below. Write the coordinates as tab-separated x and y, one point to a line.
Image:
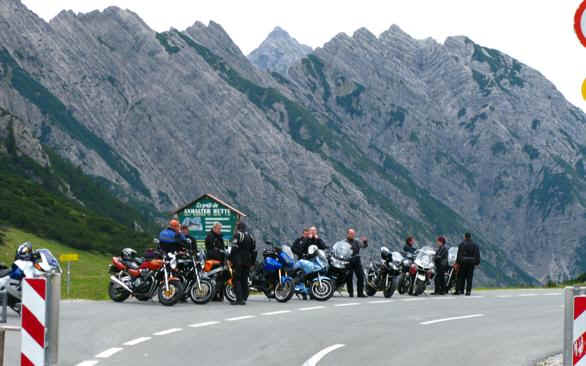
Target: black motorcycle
190	267
339	260
408	271
384	275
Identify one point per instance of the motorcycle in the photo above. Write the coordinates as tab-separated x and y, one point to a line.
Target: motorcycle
212	270
339	263
270	275
42	261
452	273
199	288
384	275
422	270
143	278
406	279
312	277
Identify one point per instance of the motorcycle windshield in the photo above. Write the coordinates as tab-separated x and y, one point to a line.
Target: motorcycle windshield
342	250
287	256
424	257
452	255
47	261
397	257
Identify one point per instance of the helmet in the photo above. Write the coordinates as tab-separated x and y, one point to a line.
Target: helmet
174	224
312	249
24	251
128	253
385	253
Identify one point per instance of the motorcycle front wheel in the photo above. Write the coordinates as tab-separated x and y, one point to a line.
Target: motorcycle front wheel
403	284
117	293
229	292
322	291
284	291
203	293
390	290
370	291
419	287
171	296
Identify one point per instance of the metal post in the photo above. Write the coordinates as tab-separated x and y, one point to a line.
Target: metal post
3	330
4	304
68	277
52	319
568	326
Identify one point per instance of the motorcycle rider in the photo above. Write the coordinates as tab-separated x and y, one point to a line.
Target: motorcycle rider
241	256
409	247
355	263
298	247
468	258
187	235
171	239
314	239
215	250
441	265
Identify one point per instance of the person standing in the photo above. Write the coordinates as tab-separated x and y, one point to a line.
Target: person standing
298	247
468	258
215	250
441	265
314	239
243	249
171	240
409	248
355	264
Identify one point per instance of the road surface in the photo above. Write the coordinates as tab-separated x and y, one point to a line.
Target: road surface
508	327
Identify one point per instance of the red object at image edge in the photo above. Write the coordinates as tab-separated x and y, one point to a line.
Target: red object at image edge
578	23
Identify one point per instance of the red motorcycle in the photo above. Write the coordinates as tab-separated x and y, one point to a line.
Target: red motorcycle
143	278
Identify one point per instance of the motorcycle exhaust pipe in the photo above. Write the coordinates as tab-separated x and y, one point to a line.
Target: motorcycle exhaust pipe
117	281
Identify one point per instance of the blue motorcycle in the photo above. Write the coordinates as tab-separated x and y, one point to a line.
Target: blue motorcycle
312	279
270	275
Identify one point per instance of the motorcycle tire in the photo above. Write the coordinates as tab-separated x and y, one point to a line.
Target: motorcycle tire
284	291
203	293
370	291
419	288
117	293
229	293
173	295
403	284
322	292
390	290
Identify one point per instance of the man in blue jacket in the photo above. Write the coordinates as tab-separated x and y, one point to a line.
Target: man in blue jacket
171	240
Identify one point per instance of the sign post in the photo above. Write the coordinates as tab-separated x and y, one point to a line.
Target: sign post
574	326
68	258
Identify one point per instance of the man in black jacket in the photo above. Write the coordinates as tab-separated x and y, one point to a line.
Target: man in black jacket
355	264
314	239
243	249
441	265
215	250
298	246
409	248
468	258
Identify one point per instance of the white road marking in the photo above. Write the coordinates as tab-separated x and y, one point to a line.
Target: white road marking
505	296
474	297
528	295
409	300
168	331
87	363
136	341
109	352
277	312
443	298
453	318
321	354
199	325
348	304
312	308
240	318
552	294
380	302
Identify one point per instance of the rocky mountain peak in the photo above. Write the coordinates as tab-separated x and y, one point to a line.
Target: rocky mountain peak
278	52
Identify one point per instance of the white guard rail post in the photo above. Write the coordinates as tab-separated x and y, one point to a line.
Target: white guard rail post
574	326
40	320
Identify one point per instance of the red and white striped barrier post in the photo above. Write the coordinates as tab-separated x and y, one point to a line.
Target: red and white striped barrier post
575	326
40	321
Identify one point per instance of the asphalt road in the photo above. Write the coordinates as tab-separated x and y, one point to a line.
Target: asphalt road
509	327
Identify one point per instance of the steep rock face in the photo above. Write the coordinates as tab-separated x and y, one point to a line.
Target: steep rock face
486	135
390	134
278	52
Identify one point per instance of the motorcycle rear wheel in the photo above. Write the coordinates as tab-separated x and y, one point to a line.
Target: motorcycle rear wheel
173	295
203	293
117	293
323	291
284	291
229	292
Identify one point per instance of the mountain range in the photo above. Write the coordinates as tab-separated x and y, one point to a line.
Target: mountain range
392	135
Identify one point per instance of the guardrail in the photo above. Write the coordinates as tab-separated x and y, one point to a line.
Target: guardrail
3	330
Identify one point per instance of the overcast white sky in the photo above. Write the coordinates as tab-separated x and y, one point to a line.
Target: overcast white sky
537	32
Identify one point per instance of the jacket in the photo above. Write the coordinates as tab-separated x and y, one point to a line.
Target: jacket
356	246
243	249
409	249
170	240
468	253
314	241
215	246
299	247
441	257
